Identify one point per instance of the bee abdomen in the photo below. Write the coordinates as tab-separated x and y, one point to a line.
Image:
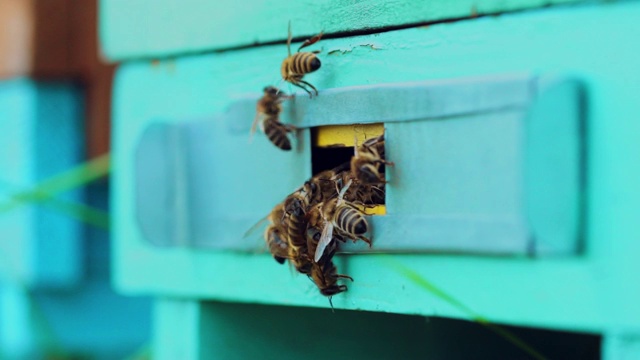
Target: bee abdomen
296	231
304	63
351	221
277	134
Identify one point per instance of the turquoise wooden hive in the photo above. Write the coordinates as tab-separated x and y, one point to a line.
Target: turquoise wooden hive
514	187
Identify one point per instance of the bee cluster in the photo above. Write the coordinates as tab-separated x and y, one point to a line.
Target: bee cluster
326	210
329	208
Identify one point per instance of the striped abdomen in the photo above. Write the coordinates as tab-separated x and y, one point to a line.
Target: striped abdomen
350	220
300	64
277	133
296	223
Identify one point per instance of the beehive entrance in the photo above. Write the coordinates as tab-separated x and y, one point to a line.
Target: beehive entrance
333	146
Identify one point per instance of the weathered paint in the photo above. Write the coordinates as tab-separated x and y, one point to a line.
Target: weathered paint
594	291
158	28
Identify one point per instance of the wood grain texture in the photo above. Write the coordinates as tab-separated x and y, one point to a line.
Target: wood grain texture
593	292
159	28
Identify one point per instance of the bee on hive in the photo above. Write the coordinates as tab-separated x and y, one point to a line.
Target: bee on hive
275	235
325	276
295	66
276	243
343	216
295	221
365	164
267	118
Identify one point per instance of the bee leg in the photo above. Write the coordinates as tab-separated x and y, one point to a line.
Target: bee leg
290	128
254	125
390	163
311	41
289	40
297	83
282	97
344	277
309	85
365	239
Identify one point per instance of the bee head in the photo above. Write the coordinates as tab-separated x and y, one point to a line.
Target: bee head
333	290
271	90
293	206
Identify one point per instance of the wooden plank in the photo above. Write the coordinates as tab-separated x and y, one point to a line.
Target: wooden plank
172	27
459	183
600	285
42	131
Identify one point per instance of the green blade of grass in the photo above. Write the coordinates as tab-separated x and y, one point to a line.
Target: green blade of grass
142	353
87	214
76	177
420	281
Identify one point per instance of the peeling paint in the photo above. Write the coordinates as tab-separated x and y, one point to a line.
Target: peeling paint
344	50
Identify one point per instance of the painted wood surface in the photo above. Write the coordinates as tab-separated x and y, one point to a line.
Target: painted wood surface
459	184
159	28
41	134
583	292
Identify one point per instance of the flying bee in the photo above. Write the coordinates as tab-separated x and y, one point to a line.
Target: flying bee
295	66
276	243
343	216
267	117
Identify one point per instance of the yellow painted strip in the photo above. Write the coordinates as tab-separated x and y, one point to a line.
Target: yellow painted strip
344	135
376	210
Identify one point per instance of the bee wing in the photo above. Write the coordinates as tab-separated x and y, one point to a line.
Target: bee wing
325	240
256	227
344	189
254	126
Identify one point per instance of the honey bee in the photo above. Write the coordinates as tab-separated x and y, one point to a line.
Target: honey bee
365	165
295	66
296	219
274	234
369	194
326	276
300	261
277	244
267	117
343	216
